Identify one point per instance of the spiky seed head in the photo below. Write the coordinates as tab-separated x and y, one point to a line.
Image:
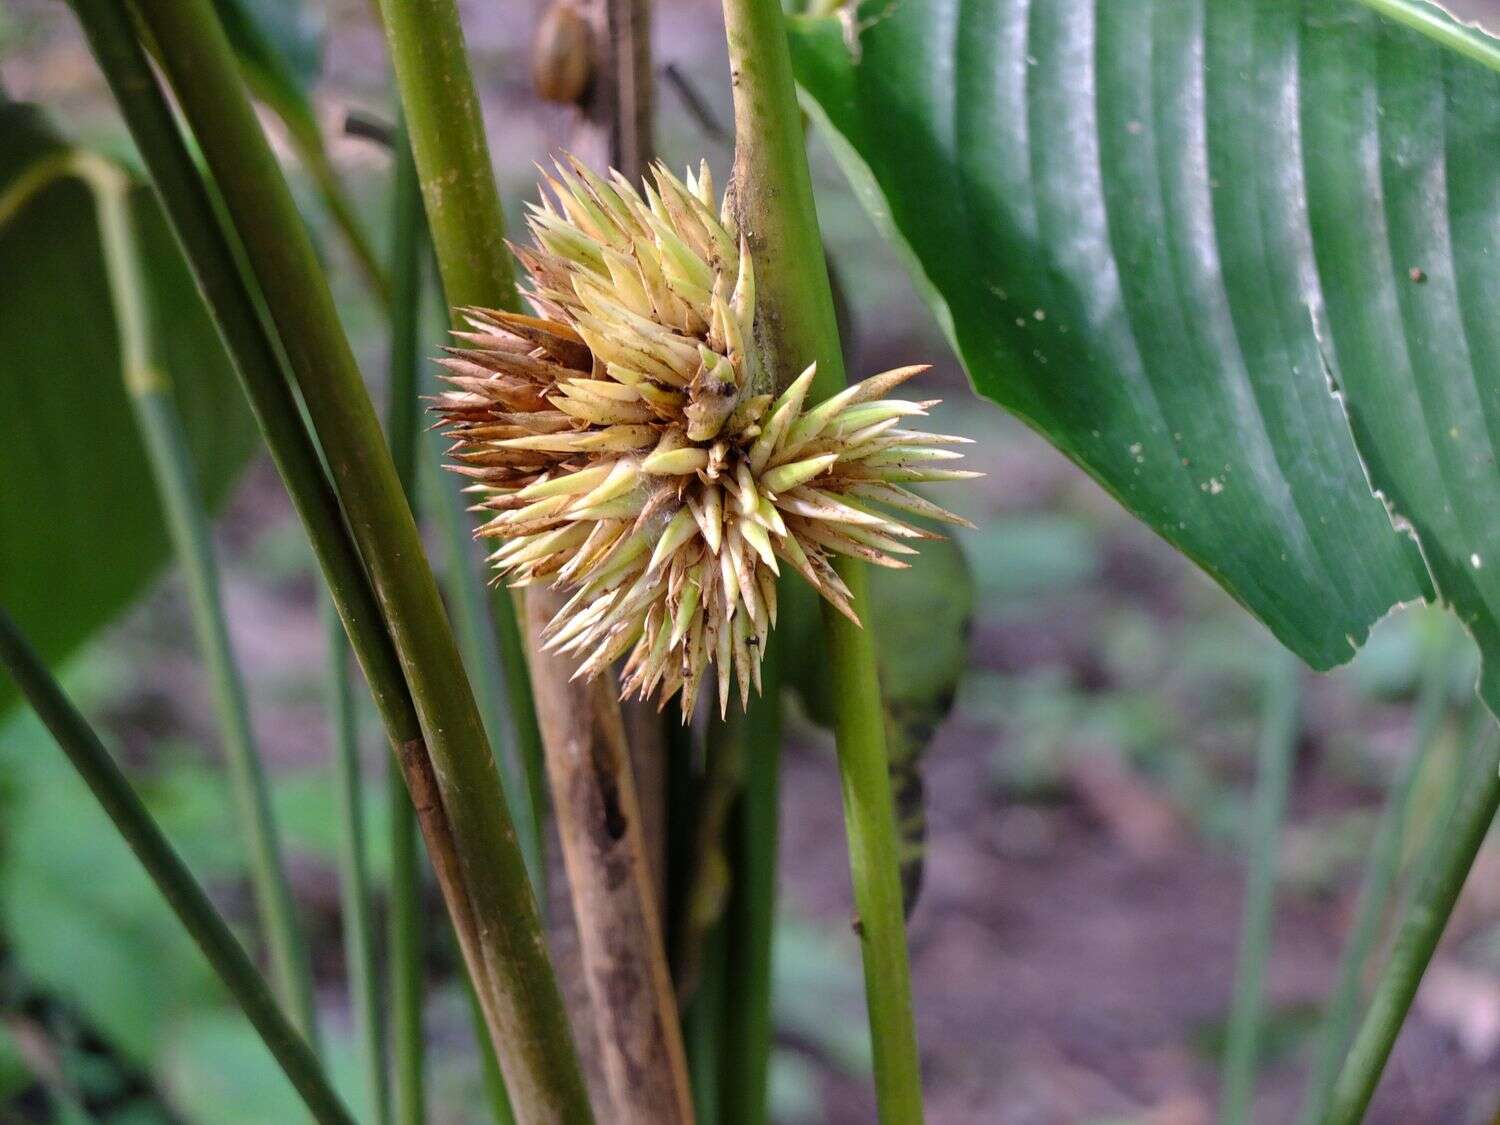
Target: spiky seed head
627	446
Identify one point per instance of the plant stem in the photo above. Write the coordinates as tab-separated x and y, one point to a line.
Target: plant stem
521	706
467	228
509	964
777	213
405	925
1423	924
175	476
171	876
1278	744
1379	879
453	158
592	789
745	1052
190	210
354	873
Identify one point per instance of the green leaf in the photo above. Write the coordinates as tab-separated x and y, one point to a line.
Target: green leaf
1412	330
1155	229
81	533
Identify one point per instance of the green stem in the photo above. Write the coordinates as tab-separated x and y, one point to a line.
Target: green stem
171	876
1435	23
402	411
1278	743
177	487
212	259
510	963
773	194
745	1052
354	874
467	227
1379	879
447	139
1423	924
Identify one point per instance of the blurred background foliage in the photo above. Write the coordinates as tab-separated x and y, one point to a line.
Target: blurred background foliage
1087	800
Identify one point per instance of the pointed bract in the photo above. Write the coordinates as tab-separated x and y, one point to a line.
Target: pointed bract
625	445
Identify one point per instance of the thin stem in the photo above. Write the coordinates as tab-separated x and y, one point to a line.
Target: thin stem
171	876
447	139
1478	729
402	409
587	763
745	1053
773	196
521	706
177	487
467	228
1278	744
513	973
354	873
1379	879
522	997
1424	922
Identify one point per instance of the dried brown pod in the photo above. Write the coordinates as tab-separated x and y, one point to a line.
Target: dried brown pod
562	55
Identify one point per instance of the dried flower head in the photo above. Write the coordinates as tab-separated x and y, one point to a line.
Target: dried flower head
628	444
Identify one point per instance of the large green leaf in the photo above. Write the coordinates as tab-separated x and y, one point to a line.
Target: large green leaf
1158	229
80	530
